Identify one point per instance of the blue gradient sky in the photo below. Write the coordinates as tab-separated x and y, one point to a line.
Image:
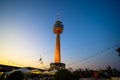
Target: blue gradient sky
90	27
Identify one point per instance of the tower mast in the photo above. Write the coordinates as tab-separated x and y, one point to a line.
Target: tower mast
58	29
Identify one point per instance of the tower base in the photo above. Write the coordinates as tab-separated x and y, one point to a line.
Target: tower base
57	66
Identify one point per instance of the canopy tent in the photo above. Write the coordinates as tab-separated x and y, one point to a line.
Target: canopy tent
46	72
53	71
35	71
24	70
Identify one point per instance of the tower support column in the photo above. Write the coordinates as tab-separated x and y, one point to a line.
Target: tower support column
57	50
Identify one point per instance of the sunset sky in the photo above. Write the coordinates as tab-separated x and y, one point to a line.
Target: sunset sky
91	27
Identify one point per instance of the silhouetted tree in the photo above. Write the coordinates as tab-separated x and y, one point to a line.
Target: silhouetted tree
63	74
2	77
76	75
17	75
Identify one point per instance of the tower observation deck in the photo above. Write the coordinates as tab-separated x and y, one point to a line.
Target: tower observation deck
58	29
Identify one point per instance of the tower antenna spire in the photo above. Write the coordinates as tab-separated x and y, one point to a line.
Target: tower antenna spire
58	16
